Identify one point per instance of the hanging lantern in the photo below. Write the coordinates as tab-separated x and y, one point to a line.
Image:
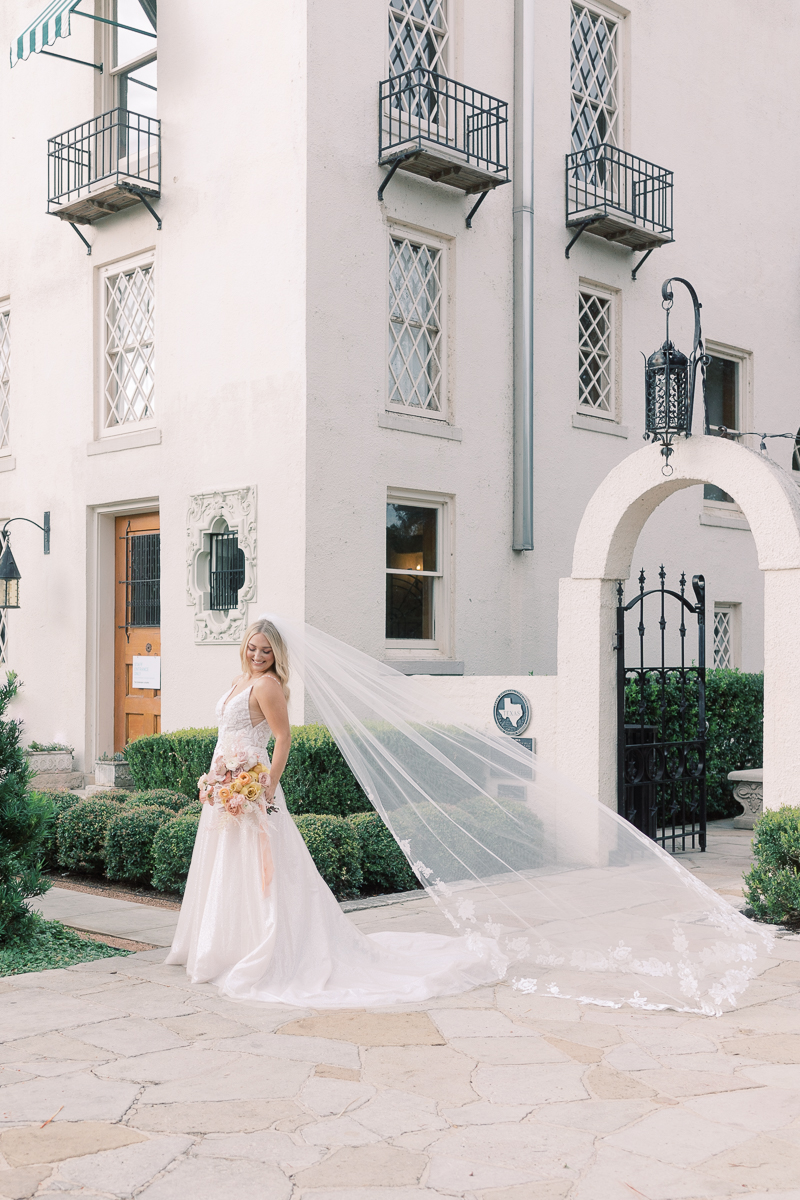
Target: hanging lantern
9	579
669	381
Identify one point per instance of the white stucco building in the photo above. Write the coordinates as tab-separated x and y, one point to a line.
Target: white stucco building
258	346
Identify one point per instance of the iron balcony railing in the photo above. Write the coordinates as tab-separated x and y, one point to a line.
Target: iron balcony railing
604	179
118	147
425	107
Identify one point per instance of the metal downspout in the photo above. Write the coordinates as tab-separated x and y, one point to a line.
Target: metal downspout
523	275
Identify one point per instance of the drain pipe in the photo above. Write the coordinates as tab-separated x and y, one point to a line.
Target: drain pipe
523	275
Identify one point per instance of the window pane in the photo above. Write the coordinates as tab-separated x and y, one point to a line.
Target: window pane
227	571
409	606
722	401
411	539
594	352
594	73
415	333
131	45
130	346
144	579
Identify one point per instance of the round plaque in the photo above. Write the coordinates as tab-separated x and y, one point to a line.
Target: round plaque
512	712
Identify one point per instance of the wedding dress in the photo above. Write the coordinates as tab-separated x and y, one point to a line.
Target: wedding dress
534	882
289	941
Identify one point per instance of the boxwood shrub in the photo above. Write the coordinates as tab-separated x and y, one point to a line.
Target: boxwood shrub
772	886
190	808
172	853
383	865
82	832
161	797
129	842
56	801
171	760
336	849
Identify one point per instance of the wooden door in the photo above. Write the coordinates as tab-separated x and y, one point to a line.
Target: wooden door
137	637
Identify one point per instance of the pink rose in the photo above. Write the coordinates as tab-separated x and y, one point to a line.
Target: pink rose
263	779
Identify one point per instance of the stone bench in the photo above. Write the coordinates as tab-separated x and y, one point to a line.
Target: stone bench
748	789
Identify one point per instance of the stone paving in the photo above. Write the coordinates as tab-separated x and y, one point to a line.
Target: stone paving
118	1078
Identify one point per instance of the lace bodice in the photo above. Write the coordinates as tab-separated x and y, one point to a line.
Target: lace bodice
234	720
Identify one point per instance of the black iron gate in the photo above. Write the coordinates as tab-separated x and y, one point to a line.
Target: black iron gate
661	722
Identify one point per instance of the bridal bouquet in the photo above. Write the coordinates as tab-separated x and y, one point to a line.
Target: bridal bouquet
236	781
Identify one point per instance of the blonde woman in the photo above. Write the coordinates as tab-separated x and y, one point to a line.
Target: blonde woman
257	918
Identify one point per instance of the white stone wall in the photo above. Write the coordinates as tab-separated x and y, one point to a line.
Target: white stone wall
272	332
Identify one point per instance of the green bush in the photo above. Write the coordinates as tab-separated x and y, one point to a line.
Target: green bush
129	842
383	865
171	760
82	833
24	823
191	808
55	802
172	853
335	847
735	714
161	797
772	886
317	779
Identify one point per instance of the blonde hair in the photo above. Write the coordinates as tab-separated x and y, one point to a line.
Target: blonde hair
278	649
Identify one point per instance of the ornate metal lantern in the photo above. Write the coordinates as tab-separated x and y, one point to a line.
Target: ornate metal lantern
670	379
9	579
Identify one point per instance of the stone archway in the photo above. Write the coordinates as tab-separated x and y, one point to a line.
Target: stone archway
606	539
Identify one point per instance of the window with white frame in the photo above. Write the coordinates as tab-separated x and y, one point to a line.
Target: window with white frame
131	48
128	337
594	77
596	352
726	635
5	376
417	554
418	35
415	327
723	407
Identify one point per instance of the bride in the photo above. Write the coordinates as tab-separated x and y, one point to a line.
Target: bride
541	886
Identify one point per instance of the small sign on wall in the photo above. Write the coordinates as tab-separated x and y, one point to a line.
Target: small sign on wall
512	713
146	672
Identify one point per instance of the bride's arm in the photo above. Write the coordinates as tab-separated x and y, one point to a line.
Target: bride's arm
272	702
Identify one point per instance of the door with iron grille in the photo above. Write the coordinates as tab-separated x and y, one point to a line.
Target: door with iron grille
137	641
661	714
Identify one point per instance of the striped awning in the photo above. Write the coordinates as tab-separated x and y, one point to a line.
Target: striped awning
52	24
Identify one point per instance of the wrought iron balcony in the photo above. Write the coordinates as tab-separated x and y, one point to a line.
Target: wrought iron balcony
103	166
442	130
619	197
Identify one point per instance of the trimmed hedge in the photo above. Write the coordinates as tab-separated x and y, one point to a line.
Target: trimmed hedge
191	808
772	886
129	842
172	853
335	846
171	760
57	801
735	713
82	832
160	797
384	866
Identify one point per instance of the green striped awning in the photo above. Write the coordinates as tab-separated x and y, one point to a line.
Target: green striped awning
52	24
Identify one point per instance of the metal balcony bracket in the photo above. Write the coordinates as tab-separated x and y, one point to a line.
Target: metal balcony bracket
476	206
641	262
128	187
66	57
398	162
584	225
88	245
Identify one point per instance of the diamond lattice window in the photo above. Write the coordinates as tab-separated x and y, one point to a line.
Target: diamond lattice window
129	346
417	35
5	377
594	79
595	353
415	354
723	637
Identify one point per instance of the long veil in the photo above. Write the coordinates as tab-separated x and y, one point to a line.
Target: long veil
563	896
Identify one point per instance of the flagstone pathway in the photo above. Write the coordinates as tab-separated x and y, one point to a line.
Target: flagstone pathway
118	1078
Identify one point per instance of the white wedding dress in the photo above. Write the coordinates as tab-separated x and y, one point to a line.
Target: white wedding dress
290	941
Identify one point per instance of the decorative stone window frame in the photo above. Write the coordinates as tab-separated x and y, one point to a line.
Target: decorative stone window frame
219	512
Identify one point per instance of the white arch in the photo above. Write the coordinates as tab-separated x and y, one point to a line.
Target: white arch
607	536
